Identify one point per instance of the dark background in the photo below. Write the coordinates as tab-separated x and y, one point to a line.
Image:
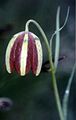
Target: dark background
33	97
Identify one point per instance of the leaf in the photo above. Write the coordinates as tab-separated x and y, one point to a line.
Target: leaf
57	33
67	92
57	46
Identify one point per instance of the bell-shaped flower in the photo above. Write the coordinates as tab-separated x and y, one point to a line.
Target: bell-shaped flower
24	53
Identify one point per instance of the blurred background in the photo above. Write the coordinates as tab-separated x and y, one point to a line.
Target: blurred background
33	97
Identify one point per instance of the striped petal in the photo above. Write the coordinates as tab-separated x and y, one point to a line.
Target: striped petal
23	58
37	55
10	56
18	51
33	55
40	56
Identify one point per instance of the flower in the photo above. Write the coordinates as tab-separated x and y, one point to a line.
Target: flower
24	53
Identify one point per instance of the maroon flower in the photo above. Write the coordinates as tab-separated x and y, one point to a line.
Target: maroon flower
24	53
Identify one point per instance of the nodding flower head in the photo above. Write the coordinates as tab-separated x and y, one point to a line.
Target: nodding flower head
24	53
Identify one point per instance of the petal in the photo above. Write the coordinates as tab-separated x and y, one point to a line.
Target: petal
37	55
23	57
40	56
18	49
29	54
9	57
33	53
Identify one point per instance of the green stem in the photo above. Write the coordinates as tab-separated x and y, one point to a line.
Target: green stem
51	66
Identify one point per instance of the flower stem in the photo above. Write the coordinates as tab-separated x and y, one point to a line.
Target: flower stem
59	107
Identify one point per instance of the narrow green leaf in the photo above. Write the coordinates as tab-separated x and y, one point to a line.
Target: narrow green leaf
67	92
57	43
57	33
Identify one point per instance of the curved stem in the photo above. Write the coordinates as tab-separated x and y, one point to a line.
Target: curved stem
51	66
40	29
44	38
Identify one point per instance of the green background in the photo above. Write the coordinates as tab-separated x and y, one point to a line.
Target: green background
33	97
